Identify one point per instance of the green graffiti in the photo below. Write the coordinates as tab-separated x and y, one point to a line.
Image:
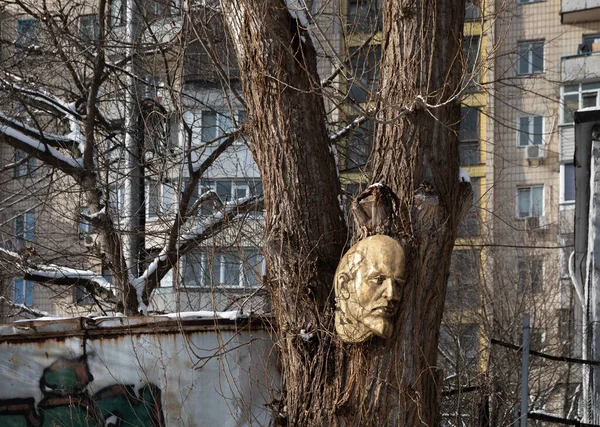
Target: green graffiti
66	402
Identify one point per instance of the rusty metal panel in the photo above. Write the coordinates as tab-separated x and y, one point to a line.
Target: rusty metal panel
141	371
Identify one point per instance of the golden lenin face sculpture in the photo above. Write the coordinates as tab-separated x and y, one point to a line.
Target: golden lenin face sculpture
368	283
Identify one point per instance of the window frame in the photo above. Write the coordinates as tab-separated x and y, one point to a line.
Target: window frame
465	139
531	206
85	23
364	66
359	145
25	231
472	11
582	90
530	45
206	262
27	292
530	133
84	225
26	168
525	265
563	177
27	32
225	122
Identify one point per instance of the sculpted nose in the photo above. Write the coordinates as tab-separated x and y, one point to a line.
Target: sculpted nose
391	290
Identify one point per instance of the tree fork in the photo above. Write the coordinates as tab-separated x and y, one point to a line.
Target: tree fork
380	382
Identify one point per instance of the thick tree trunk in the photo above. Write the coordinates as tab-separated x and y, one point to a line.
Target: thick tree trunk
380	382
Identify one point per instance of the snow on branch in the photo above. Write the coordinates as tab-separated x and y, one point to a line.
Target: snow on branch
59	275
29	310
53	140
348	129
44	152
218	220
42	98
169	255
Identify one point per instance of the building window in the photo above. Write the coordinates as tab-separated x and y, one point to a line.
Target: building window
578	96
530	130
156	9
365	69
530	201
471	225
537	338
531	275
589	43
567	183
84	225
24	164
463	282
226	268
117	201
472	10
565	325
529	1
531	57
469	136
471	55
459	345
82	296
25	226
358	146
116	13
88	27
23	292
231	190
363	16
217	124
27	32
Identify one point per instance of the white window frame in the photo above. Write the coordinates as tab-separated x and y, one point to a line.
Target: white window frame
529	59
529	1
530	131
580	92
530	187
566	203
204	266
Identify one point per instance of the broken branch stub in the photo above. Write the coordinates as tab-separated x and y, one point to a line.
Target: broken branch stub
375	211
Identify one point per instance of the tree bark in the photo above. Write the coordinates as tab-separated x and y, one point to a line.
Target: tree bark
381	382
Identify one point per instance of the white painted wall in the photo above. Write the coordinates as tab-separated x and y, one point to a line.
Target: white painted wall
208	374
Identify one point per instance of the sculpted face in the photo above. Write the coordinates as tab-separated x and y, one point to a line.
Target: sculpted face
368	282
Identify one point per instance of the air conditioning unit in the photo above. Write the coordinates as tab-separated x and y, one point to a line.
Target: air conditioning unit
535	152
533	223
536	223
89	240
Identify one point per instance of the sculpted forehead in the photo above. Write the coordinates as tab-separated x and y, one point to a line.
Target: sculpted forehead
381	252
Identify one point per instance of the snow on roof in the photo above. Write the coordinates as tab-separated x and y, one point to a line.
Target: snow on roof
226	315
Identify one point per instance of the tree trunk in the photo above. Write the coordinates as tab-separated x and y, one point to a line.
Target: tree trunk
380	382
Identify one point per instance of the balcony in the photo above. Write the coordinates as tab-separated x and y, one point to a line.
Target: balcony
578	11
581	67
